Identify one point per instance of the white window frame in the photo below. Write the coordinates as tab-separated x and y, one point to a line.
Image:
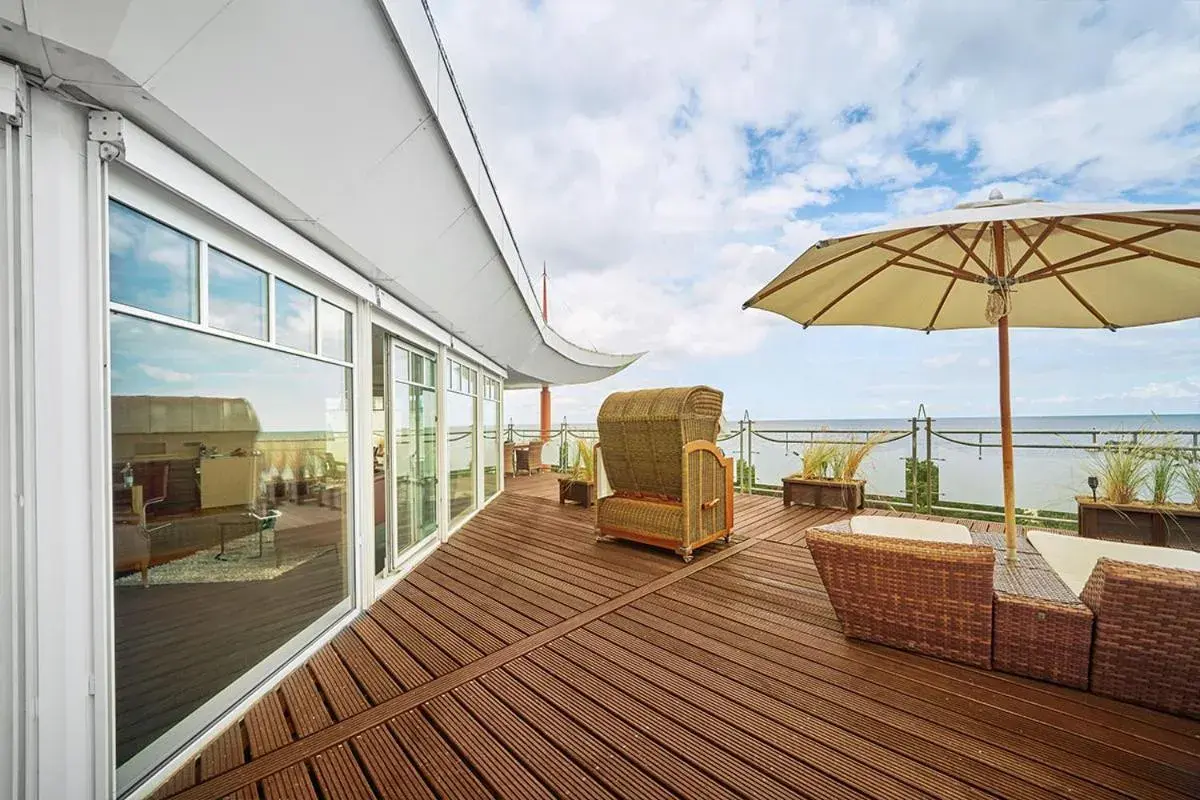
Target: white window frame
179	743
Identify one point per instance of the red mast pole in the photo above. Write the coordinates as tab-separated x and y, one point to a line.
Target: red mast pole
545	388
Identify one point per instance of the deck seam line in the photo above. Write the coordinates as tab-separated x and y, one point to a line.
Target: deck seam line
277	760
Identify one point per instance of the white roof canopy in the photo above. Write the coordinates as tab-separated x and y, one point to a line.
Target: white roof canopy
327	121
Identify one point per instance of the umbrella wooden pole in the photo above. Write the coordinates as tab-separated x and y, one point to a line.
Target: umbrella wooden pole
1006	437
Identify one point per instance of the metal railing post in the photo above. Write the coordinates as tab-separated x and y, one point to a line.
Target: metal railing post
928	464
912	477
749	454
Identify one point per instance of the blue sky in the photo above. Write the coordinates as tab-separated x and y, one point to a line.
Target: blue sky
666	160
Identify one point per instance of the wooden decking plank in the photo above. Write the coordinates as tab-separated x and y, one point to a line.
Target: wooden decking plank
782	754
267	729
601	760
693	741
483	590
425	651
390	770
399	662
818	745
514	573
1047	704
421	618
491	613
647	753
343	694
564	580
968	735
441	767
491	762
339	774
223	754
541	758
463	626
367	671
306	708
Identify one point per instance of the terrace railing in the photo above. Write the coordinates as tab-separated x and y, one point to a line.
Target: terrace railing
918	466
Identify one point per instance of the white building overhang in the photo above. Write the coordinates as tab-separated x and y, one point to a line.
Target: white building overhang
338	117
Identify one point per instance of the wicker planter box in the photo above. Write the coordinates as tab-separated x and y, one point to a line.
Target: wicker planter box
824	493
1169	525
576	491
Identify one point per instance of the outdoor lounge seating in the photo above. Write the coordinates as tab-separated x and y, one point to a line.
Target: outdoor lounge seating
891	583
1146	602
672	486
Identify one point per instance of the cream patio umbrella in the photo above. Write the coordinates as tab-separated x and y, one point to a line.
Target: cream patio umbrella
1000	263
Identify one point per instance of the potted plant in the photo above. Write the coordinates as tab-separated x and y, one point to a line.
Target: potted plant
828	475
580	485
1131	494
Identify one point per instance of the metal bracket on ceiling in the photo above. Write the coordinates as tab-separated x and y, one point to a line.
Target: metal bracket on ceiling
107	128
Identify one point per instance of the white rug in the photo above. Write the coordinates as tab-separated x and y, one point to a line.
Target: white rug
240	564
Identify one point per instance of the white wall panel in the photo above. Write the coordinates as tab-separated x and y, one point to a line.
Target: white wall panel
153	31
311	106
418	41
399	211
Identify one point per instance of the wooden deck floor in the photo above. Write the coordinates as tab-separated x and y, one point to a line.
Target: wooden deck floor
525	660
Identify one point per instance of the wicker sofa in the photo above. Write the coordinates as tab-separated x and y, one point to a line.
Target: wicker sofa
929	597
672	486
1146	647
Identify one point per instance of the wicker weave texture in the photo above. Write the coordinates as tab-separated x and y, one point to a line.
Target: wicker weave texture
1044	639
645	518
927	597
1147	640
643	433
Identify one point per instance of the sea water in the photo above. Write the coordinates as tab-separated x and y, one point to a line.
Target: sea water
1046	476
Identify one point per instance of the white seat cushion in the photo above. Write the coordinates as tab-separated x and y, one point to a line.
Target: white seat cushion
920	530
1074	557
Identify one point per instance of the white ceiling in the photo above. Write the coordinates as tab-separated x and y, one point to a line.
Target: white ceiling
314	110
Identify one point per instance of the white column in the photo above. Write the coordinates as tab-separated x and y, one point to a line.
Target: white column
66	484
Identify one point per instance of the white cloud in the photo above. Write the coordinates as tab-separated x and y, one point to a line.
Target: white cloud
1169	390
668	162
166	375
937	362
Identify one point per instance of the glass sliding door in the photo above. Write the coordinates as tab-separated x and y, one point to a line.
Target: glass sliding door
231	474
414	447
462	386
491	436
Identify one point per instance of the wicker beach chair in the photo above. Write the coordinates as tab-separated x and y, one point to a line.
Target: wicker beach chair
1146	647
672	486
928	597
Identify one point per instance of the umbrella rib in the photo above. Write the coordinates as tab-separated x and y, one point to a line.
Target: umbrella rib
970	251
1110	244
941	273
1041	257
1186	226
943	268
953	280
1125	245
1033	248
770	290
846	293
1091	309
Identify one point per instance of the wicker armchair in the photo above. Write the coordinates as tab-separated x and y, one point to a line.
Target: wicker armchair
671	485
928	597
1146	647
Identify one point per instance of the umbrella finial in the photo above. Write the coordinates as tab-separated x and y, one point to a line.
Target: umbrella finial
995	194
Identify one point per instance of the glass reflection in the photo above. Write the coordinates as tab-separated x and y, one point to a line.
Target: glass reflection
460	428
237	296
152	266
491	447
230	524
295	317
335	332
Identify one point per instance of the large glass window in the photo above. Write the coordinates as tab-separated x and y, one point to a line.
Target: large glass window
152	266
237	296
460	430
335	332
491	436
295	317
231	529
